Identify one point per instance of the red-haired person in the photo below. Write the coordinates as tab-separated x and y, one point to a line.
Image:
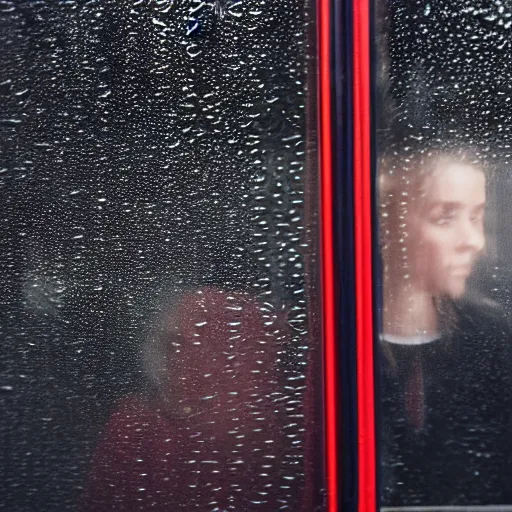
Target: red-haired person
212	434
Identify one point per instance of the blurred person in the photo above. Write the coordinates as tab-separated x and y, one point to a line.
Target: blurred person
445	357
209	433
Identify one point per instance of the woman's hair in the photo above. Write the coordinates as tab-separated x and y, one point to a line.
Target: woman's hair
161	333
226	321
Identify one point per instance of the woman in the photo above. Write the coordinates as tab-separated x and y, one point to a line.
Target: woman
211	435
445	359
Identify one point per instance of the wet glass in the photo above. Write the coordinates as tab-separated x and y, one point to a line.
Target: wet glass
442	127
159	312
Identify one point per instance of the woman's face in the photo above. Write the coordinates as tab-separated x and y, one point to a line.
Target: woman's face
445	228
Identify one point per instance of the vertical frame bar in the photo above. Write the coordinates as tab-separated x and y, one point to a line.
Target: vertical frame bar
363	256
327	250
344	250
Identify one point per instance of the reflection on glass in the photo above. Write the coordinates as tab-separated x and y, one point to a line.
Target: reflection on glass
446	388
443	122
145	142
209	431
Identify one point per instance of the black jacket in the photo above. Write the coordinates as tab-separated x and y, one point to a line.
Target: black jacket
446	413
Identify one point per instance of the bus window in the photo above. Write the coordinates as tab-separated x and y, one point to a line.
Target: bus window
159	311
443	181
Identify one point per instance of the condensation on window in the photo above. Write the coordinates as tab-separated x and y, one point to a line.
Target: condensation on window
443	167
159	291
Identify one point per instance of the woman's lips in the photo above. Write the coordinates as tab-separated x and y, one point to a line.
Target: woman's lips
462	270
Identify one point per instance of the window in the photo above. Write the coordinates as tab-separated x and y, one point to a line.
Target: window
443	182
160	304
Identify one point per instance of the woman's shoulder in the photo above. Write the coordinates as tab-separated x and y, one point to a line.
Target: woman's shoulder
479	313
484	330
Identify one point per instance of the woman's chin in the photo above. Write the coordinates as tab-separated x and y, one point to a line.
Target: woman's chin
456	289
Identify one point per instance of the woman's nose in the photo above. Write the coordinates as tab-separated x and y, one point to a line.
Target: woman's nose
472	236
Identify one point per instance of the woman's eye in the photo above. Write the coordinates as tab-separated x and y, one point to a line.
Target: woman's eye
445	218
477	218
